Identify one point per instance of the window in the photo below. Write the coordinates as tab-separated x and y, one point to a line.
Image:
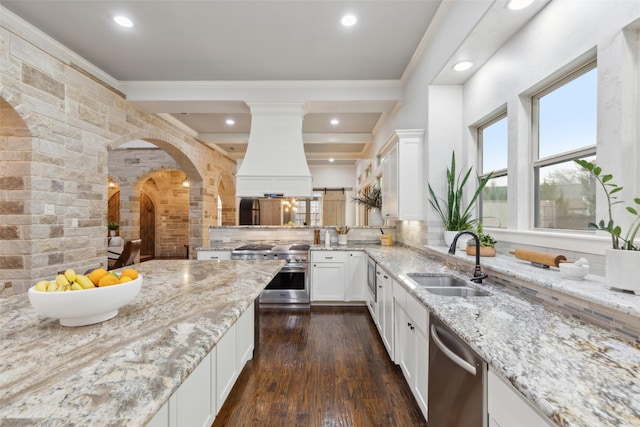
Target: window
564	119
493	142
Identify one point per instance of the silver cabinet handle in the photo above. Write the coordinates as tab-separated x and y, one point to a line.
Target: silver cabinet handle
328	257
450	354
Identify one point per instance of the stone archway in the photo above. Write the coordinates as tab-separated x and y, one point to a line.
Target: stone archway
227	194
16	200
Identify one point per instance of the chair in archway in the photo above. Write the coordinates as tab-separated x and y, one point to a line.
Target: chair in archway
128	255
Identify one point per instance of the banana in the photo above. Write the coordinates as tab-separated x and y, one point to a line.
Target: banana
84	281
61	281
52	287
42	285
70	274
76	287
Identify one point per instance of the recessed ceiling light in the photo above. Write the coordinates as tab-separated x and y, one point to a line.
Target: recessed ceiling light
463	65
230	122
331	160
335	122
518	4
348	20
123	21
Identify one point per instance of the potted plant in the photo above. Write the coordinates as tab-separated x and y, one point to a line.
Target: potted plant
487	243
371	199
451	209
113	228
624	253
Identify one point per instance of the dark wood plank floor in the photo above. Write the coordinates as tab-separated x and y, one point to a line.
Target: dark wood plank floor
320	367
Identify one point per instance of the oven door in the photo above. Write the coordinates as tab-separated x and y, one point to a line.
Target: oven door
289	286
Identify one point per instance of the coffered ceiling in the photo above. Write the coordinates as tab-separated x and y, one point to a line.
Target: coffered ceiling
199	63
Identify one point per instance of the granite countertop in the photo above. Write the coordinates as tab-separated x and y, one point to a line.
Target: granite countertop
575	373
121	371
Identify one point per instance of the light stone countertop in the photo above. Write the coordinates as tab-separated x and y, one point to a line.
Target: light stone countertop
120	372
575	373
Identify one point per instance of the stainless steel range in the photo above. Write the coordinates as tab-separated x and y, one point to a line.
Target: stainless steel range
291	284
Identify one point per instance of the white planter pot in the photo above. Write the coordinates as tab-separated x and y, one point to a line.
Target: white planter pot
462	240
621	270
375	218
112	233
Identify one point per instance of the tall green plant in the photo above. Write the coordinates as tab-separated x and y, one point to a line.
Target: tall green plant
451	211
610	189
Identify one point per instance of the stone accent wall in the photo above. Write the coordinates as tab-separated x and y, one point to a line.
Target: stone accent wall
57	129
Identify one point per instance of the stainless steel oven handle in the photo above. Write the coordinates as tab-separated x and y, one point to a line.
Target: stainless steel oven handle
450	354
288	269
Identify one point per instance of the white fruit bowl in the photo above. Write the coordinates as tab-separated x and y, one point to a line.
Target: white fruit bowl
87	306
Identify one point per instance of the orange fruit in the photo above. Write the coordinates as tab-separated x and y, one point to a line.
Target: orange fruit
108	280
124	279
130	272
96	275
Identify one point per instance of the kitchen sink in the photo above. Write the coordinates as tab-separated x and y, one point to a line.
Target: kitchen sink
436	281
458	291
446	285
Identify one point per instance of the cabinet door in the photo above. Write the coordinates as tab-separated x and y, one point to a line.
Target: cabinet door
421	369
404	344
226	365
246	334
356	287
390	184
507	408
328	281
213	255
385	298
194	402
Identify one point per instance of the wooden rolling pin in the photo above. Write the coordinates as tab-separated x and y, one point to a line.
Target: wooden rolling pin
542	258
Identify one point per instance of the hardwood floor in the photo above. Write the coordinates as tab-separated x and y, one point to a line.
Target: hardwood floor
320	367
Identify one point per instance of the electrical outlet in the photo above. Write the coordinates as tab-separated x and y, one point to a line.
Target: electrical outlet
74	223
226	240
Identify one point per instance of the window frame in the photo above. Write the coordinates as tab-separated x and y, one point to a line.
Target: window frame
537	162
499	173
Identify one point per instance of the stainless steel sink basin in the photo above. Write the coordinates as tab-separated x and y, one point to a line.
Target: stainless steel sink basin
458	291
446	285
436	281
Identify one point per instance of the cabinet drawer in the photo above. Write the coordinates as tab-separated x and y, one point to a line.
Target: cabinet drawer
329	256
213	255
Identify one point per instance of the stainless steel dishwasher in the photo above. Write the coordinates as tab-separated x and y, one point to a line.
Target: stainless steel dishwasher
457	384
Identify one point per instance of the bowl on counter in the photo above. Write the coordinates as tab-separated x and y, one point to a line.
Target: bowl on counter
572	271
87	306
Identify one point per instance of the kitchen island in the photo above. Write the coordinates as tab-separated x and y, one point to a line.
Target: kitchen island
122	371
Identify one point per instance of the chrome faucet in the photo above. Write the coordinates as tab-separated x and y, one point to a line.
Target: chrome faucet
478	275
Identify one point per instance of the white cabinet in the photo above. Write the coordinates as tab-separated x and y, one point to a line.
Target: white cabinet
412	343
200	397
329	270
507	408
246	336
402	175
226	365
385	308
356	288
213	255
194	401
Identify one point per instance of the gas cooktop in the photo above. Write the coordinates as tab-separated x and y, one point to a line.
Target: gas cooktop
274	247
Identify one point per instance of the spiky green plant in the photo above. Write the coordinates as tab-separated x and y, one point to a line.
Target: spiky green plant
454	216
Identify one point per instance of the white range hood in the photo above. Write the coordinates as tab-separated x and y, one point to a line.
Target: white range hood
275	164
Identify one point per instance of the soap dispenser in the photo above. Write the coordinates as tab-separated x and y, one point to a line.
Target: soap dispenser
327	239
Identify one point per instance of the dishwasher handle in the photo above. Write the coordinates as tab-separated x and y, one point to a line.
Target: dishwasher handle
450	354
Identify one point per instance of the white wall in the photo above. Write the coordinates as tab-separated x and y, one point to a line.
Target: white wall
563	34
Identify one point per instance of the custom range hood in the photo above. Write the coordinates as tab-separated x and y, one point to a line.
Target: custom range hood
275	164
